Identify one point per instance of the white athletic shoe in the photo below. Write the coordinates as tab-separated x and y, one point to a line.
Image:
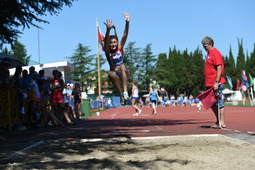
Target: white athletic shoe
126	97
122	100
140	111
136	114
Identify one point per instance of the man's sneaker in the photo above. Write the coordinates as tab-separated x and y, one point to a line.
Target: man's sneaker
122	100
126	97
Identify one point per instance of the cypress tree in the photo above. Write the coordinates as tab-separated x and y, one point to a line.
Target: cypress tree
240	65
162	72
251	63
146	67
197	70
131	57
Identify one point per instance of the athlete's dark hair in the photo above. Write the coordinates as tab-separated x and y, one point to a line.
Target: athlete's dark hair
114	37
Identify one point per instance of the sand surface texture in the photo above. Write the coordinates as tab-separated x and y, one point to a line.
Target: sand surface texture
174	152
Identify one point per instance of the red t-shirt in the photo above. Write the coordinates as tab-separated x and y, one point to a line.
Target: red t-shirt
213	59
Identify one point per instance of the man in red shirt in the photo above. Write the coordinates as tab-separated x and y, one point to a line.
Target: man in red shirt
214	77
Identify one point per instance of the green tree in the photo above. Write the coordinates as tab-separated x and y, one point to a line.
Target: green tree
251	62
194	74
16	14
131	57
173	68
146	67
230	67
84	66
162	73
19	51
240	65
198	70
6	51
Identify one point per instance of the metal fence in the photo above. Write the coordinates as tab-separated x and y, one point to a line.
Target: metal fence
10	108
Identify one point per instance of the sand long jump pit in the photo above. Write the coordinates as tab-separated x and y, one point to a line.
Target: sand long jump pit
159	153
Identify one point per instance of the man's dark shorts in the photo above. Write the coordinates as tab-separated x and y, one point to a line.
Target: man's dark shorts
220	102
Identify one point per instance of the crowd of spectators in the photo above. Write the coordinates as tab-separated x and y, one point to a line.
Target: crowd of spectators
54	103
165	101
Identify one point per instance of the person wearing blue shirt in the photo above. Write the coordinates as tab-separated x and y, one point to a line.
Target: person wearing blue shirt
153	98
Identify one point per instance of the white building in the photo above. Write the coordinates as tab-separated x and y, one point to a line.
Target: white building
64	67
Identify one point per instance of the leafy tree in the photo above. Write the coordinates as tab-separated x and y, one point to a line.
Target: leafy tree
132	55
251	62
230	68
172	63
162	72
25	13
146	67
240	60
6	51
84	71
19	51
232	65
180	72
194	74
198	69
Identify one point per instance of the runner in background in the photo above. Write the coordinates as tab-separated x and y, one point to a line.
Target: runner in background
153	98
135	99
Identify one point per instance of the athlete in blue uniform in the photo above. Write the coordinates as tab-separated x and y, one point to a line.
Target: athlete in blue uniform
153	97
114	54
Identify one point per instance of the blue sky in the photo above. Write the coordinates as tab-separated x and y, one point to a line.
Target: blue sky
163	23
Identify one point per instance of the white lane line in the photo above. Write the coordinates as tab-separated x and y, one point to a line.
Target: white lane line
130	131
24	150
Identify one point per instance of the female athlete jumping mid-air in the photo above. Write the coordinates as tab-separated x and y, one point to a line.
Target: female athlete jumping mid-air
114	54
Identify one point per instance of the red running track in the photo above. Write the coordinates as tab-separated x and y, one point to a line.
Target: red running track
170	121
120	122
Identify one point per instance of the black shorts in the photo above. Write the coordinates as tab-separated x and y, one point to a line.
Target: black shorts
154	101
77	101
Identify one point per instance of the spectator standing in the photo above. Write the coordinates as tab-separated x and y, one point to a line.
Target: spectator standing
57	100
214	77
25	81
68	99
77	100
31	73
5	73
35	89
